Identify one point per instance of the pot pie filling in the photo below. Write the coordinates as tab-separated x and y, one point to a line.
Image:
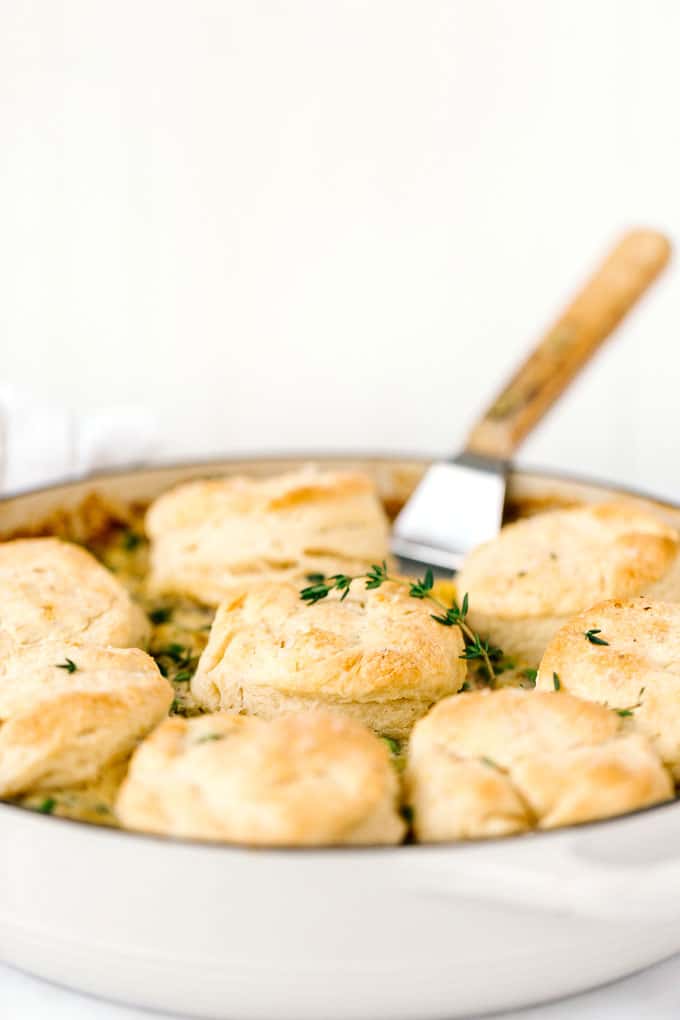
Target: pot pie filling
180	631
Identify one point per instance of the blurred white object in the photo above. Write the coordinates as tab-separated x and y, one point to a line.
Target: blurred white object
44	443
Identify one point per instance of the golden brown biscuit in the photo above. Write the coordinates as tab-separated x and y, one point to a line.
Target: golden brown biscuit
376	655
490	763
54	589
208	536
526	583
305	779
637	671
67	710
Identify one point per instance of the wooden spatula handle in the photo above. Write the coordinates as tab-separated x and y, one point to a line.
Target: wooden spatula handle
608	295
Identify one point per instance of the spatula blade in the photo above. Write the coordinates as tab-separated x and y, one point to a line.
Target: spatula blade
457	505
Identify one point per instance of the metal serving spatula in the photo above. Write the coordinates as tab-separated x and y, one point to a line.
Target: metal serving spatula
459	502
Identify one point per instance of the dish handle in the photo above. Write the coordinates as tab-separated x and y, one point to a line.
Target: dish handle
573	873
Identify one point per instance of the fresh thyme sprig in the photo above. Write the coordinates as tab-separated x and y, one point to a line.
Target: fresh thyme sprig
454	615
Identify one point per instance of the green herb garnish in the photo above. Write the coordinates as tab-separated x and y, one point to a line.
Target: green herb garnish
69	665
176	657
591	635
449	616
210	736
406	812
556	682
131	540
161	615
174	651
47	806
530	675
626	712
479	648
489	761
177	708
394	745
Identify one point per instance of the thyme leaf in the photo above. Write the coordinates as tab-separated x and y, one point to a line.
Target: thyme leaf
160	615
131	540
591	635
393	745
69	665
627	712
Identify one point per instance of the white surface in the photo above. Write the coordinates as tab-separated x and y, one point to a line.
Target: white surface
654	995
336	224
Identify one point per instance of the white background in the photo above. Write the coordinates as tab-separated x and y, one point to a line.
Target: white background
325	224
652	995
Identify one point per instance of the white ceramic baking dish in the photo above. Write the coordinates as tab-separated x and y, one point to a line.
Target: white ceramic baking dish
408	933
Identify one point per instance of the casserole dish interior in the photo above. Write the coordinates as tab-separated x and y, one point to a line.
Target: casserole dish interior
410	932
106	513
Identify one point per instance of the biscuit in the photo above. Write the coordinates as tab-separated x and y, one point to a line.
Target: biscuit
490	763
208	536
636	672
375	655
305	779
67	710
54	589
526	583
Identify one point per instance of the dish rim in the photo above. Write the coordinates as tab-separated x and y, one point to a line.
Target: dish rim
372	848
310	456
